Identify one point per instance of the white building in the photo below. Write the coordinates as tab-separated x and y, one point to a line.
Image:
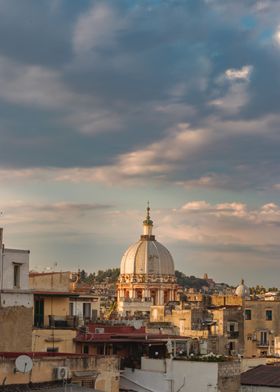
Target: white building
167	375
16	299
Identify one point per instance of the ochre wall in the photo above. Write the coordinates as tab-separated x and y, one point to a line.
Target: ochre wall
61	338
226	300
56	281
15	329
57	306
259	323
44	370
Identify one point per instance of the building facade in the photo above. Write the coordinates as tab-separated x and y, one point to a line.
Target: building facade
16	299
218	329
261	328
61	306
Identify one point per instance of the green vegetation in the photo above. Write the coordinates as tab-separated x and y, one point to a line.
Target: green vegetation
207	358
190	281
259	289
110	276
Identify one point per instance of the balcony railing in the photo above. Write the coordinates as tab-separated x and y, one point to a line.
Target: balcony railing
262	343
145	299
63	321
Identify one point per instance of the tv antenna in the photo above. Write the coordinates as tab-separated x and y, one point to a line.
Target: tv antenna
24	364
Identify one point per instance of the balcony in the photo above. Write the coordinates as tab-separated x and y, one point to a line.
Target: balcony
63	321
233	335
144	299
261	343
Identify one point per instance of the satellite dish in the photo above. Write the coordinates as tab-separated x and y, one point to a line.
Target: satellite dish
24	363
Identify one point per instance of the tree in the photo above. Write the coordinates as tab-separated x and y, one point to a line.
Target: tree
190	281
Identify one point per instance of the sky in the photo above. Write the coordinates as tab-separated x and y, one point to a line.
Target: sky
105	105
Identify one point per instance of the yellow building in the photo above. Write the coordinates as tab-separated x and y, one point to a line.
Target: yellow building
220	327
228	328
187	319
261	327
60	307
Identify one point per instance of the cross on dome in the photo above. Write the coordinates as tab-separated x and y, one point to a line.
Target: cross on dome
148	220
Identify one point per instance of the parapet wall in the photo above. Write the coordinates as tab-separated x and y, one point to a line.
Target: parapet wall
229	376
44	370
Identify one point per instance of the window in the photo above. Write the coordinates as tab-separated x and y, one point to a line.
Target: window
71	308
16	276
100	350
268	315
248	314
232	329
263	338
38	312
86	310
85	349
52	349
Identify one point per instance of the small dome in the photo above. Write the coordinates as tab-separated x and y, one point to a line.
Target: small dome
242	290
147	256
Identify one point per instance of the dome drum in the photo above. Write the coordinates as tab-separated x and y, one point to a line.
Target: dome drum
147	279
147	237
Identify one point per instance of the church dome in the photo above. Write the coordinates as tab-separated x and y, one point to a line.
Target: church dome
147	256
242	290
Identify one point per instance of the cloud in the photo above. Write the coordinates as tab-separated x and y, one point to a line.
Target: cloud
168	99
232	90
223	224
239	74
33	86
186	156
97	28
235	99
56	217
196	205
210	181
37	86
277	35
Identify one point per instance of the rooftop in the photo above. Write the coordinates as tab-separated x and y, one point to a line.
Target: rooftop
103	333
263	375
48	387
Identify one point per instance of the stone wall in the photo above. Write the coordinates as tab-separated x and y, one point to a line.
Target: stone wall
16	329
226	300
229	376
